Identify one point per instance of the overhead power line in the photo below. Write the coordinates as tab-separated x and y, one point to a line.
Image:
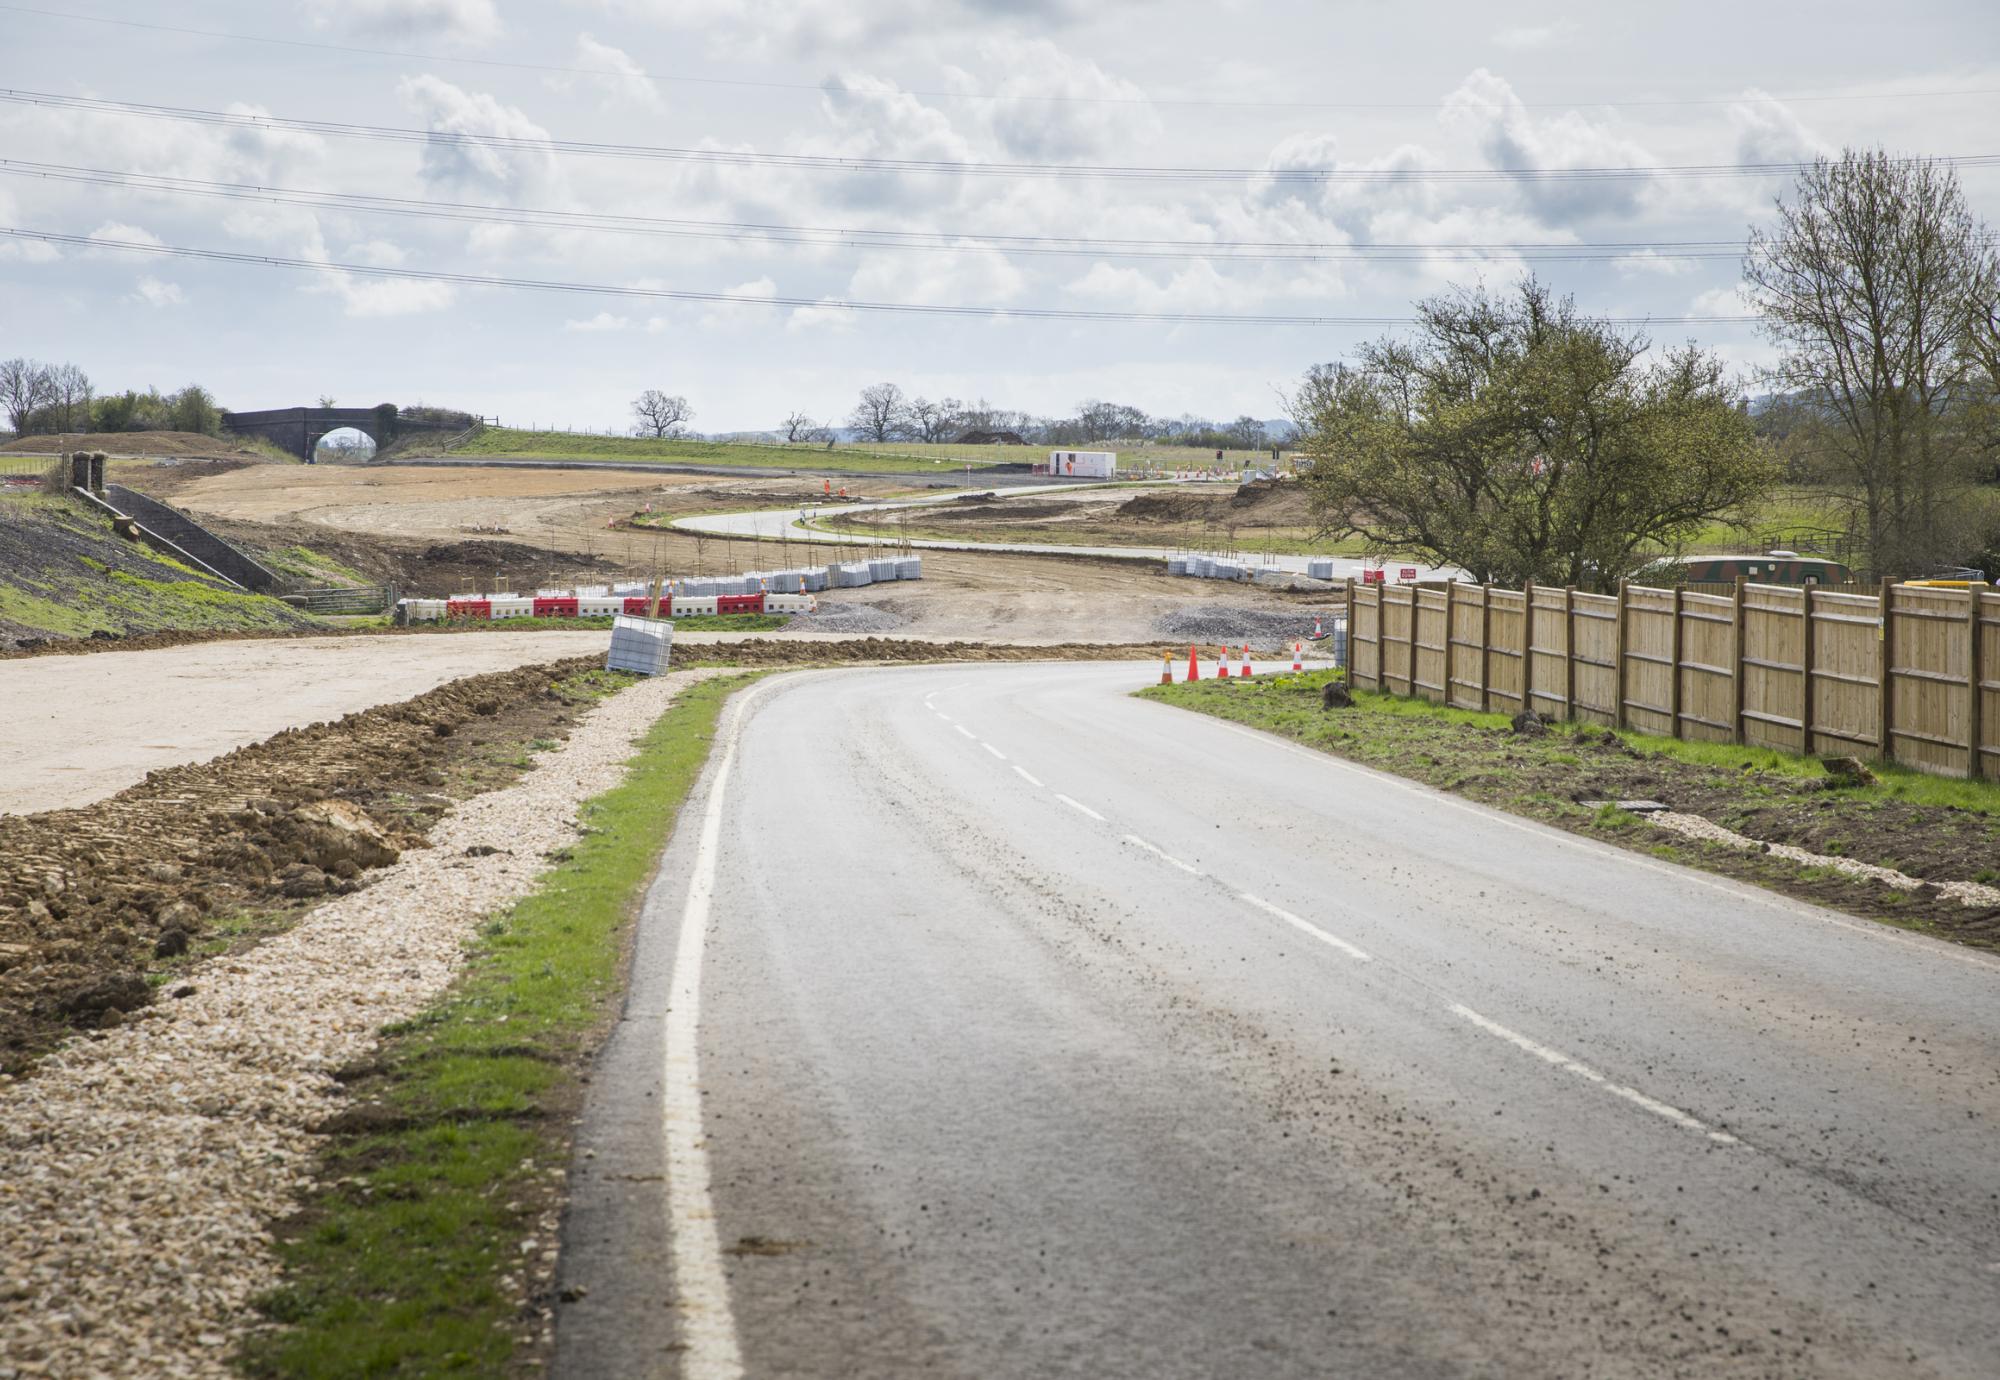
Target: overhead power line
861	238
1198	102
839	164
614	290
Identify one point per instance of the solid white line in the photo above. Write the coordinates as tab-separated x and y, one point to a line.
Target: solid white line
1027	778
966	731
706	1326
995	751
1562	1061
1162	854
1306	925
942	715
1080	807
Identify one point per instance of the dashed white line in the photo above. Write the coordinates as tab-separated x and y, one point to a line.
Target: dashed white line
1562	1061
1023	774
1079	807
995	751
1304	925
966	731
1163	855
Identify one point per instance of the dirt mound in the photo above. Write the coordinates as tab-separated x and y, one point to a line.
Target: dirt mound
93	899
1275	501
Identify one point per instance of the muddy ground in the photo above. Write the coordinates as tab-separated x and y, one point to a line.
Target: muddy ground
1549	777
101	906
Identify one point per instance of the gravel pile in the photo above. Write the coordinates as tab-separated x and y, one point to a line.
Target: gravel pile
859	619
1263	629
140	1167
1707	830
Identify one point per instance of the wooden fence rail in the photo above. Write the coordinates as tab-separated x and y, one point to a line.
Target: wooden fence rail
1905	673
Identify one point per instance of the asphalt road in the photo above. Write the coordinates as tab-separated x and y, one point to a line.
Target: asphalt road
988	1022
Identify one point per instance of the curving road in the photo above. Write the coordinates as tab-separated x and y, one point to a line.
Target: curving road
785	524
988	1022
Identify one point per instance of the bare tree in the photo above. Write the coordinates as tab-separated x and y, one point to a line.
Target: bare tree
24	387
660	416
881	414
799	427
69	397
1873	283
935	421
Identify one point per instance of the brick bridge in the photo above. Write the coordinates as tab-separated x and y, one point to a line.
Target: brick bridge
299	429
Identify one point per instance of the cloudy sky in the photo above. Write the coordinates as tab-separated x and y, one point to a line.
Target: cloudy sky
794	107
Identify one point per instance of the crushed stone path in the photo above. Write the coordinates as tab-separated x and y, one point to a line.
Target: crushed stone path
141	1167
1707	830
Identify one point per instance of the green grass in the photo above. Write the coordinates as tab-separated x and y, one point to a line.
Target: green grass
395	1268
558	445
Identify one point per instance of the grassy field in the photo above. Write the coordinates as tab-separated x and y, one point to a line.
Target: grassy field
1925	826
507	442
397	1265
1249	541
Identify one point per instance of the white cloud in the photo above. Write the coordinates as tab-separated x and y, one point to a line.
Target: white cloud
1651	263
461	21
761	29
722	315
368	297
612	73
482	146
115	232
1509	137
603	321
155	293
1116	117
1521	38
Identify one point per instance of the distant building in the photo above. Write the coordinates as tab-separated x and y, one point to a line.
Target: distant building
991	438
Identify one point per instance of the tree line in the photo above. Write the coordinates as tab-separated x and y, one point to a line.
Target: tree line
41	399
1514	437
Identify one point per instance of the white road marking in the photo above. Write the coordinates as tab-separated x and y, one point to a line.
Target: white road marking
1305	925
1937	948
1162	855
1080	807
1562	1061
966	731
706	1325
1027	778
995	751
942	715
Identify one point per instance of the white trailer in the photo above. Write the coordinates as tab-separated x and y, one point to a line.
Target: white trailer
1087	464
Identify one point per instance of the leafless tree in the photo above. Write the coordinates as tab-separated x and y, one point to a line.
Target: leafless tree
69	397
935	421
799	427
1872	283
881	414
660	416
24	387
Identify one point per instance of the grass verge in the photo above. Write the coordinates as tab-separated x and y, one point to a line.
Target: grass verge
1926	826
408	1261
515	443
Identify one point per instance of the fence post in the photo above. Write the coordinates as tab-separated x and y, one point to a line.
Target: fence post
1806	671
1528	647
1569	652
1886	635
1736	665
1486	642
1353	629
1410	658
1447	642
1674	671
1973	729
1618	676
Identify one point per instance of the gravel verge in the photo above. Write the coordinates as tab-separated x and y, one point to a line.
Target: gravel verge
1708	831
140	1167
854	619
1263	629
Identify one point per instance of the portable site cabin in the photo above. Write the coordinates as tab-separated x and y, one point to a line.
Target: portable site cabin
1084	464
1771	568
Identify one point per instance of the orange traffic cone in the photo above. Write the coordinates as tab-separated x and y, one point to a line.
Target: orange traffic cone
1166	668
1222	664
1194	666
1245	671
1318	632
1297	665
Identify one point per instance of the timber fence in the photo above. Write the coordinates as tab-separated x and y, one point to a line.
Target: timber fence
1907	673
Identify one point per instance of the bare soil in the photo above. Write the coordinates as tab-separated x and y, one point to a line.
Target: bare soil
101	906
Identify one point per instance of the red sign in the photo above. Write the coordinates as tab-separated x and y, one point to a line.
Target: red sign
1408	572
1371	577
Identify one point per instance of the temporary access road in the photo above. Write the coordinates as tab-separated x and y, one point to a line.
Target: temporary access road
986	1021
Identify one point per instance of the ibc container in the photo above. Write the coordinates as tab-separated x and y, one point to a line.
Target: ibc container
641	645
909	568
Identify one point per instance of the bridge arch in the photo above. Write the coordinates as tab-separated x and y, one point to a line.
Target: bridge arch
299	429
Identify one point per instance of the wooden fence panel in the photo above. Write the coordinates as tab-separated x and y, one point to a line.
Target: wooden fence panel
1364	635
1773	665
1471	630
1593	670
1651	696
1398	633
1847	673
1708	667
1427	650
1547	652
1928	678
1987	677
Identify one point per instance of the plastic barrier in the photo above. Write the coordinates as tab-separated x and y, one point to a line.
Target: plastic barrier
554	606
468	608
739	603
